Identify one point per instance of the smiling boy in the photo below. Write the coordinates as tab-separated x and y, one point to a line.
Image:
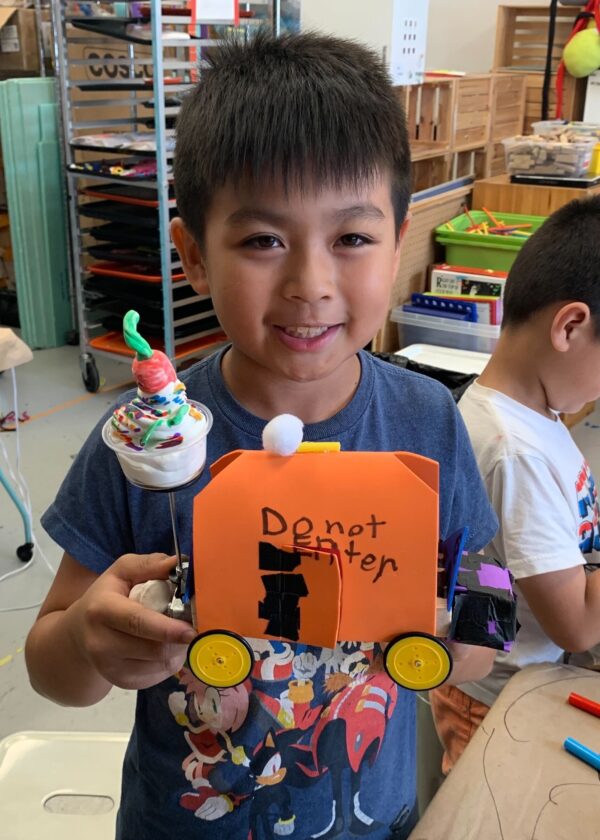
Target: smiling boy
292	184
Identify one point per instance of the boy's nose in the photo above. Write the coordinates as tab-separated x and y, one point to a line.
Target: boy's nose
309	278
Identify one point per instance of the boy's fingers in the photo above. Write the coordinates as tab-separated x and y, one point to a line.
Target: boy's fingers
145	674
138	568
134	620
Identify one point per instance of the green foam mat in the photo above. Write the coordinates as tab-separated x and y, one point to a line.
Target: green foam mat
37	208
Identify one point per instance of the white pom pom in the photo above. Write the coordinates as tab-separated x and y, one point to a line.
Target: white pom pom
283	434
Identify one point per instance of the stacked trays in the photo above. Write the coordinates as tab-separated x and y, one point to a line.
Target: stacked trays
120	224
122	75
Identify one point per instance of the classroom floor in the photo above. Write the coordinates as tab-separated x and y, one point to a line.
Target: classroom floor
62	414
51	391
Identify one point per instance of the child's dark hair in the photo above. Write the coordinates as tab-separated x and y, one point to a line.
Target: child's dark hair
306	108
560	262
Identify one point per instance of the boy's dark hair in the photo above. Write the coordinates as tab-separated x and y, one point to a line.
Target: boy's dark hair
560	262
307	108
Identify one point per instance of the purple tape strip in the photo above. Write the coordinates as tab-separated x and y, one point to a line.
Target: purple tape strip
494	577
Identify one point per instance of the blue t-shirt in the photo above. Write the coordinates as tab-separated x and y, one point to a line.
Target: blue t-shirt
317	742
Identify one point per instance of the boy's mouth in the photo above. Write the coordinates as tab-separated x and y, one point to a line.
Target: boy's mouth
307	336
305	331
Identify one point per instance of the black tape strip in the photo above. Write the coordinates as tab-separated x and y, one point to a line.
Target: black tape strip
274	559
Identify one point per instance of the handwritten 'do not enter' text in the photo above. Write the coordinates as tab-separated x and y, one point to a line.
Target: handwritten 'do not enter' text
349	540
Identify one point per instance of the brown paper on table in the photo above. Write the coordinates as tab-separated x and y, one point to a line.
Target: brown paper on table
515	781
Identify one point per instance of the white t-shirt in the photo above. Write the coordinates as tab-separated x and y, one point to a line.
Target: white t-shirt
545	497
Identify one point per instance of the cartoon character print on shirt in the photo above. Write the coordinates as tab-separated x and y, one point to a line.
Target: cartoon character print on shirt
210	716
587	501
324	714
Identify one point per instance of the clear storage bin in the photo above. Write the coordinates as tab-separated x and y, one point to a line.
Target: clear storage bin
551	126
537	156
445	332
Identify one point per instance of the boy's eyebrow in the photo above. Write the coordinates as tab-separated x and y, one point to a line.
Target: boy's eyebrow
359	211
255	214
345	214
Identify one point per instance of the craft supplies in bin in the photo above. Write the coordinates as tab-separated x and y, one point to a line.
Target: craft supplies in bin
546	127
458	310
415	328
495	251
567	156
483	310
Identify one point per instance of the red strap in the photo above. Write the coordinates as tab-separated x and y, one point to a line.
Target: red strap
560	87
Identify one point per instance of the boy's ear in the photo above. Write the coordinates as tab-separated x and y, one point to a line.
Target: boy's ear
571	321
191	257
403	228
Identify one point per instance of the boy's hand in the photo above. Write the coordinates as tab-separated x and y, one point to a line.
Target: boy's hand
469	662
129	645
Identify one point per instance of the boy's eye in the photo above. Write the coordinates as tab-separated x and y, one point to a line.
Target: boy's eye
263	242
354	240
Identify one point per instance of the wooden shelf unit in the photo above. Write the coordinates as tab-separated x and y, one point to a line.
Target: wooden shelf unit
522	36
455	125
498	193
521	47
429	109
471	123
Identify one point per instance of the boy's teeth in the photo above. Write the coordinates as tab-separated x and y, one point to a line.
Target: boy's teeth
305	332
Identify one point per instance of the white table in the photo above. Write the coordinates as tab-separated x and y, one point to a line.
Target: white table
60	785
446	358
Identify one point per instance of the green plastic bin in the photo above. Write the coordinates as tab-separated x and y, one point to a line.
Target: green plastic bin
473	250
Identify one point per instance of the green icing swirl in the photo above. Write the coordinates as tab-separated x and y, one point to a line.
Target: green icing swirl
172	421
132	337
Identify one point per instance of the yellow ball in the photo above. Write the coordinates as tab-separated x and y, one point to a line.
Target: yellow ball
582	54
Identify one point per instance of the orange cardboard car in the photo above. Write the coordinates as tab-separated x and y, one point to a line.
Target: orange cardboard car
318	547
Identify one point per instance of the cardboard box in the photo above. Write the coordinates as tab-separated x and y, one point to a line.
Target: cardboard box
19	51
456	280
105	50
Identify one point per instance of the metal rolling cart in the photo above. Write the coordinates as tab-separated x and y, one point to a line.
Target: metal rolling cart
122	68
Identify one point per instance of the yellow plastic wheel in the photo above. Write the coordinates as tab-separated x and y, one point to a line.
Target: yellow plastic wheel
418	661
220	658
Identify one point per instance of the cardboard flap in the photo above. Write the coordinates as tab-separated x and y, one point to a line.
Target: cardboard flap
6	12
223	462
426	469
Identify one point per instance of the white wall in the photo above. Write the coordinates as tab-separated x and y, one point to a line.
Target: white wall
349	19
460	36
461	33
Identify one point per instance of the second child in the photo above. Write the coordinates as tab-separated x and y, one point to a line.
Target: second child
547	361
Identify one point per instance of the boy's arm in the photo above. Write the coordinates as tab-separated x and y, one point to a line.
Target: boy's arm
90	636
540	543
469	662
567	606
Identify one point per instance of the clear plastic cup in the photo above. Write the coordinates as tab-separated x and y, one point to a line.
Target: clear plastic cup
162	469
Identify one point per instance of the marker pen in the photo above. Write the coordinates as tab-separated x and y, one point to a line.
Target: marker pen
584	703
584	753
